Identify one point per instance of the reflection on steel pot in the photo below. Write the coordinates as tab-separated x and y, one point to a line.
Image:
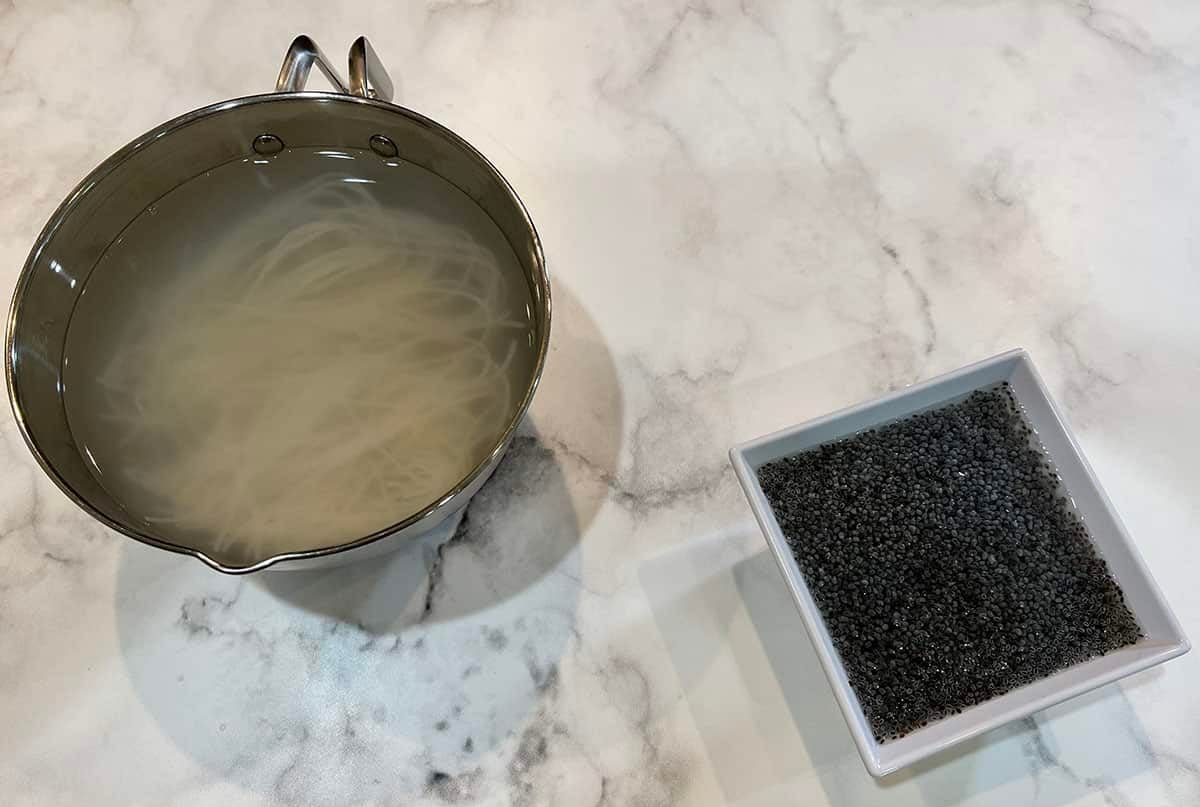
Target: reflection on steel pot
100	219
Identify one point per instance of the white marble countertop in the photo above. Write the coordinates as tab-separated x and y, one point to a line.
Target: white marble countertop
755	212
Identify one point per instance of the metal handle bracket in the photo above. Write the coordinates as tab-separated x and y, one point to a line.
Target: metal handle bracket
298	63
368	78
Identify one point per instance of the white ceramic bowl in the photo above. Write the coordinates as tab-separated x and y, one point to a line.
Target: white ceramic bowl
1163	637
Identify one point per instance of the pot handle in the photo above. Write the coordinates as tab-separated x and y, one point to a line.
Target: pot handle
298	62
367	76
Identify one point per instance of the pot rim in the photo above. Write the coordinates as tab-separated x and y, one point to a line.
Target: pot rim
125	153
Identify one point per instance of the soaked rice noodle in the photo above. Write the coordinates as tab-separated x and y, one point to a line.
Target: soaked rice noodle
286	393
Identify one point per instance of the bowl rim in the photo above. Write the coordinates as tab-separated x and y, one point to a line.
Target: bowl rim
127	152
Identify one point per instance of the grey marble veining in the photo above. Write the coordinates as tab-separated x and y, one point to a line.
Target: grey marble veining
755	212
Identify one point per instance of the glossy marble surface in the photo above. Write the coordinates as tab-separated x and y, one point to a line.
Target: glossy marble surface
755	213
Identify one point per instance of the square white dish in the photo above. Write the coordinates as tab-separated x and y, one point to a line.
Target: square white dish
1163	638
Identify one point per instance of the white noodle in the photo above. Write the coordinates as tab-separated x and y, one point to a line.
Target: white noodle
287	395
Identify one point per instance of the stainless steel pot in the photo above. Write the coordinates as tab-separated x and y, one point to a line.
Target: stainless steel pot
94	214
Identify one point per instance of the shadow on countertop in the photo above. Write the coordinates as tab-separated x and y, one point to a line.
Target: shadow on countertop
416	584
392	678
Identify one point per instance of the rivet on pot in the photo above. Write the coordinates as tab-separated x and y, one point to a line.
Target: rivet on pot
383	146
267	144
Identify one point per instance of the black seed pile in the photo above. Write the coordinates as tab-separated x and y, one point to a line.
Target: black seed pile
946	564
